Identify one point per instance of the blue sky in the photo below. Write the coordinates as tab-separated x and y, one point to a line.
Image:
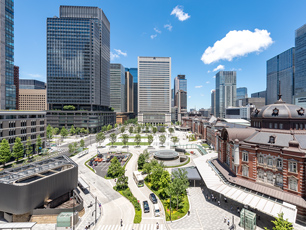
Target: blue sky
249	33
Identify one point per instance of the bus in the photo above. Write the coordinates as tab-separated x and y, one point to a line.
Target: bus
138	178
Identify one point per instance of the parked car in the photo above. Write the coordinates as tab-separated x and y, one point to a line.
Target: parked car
146	207
153	198
156	210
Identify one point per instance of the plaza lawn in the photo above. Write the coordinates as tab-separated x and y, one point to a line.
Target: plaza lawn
133	137
175	214
129	143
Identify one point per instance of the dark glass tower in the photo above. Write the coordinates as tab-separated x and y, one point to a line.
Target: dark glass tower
7	87
134	72
78	59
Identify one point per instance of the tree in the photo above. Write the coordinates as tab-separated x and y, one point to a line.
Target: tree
77	130
137	139
179	184
5	152
131	130
113	138
122	129
122	182
82	143
154	130
175	139
125	139
162	129
150	139
109	127
55	131
138	130
49	133
87	131
147	168
116	125
72	130
115	168
155	176
280	223
171	130
18	149
71	148
69	107
147	129
100	137
38	144
164	183
162	139
143	157
29	149
104	128
64	132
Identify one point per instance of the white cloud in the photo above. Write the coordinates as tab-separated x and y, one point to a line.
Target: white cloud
157	31
189	96
207	82
219	67
208	71
236	44
202	95
153	36
168	27
214	76
198	86
179	13
119	52
34	75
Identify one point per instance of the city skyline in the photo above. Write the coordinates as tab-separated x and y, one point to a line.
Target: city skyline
152	37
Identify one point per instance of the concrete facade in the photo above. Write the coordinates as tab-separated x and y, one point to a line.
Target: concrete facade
32	99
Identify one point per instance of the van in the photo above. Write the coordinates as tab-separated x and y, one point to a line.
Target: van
156	210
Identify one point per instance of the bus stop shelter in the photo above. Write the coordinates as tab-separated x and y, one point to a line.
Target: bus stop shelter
20	225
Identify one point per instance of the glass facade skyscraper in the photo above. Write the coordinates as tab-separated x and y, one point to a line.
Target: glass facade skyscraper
78	59
134	72
281	69
225	91
117	88
242	92
7	87
180	83
31	84
154	99
300	67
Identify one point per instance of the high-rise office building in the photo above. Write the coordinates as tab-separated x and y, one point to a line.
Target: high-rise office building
180	83
154	89
134	72
7	87
172	97
259	94
225	91
78	59
300	67
181	99
129	89
213	102
31	84
241	93
16	83
281	69
117	88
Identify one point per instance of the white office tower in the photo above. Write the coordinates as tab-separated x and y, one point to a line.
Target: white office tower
154	88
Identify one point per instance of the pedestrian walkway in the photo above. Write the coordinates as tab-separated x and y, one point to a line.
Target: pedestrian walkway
131	227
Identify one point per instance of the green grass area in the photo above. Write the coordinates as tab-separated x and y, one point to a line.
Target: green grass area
205	145
187	153
129	143
175	214
175	166
88	165
133	137
129	195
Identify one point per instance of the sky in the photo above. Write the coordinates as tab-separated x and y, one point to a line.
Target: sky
201	37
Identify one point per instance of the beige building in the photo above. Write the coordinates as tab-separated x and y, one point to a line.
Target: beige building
32	99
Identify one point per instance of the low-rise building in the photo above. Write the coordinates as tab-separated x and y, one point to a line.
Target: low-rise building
239	112
33	99
23	124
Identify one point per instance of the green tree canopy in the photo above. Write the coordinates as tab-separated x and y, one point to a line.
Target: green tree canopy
147	128
104	128
55	131
72	130
125	139
69	107
122	129
154	130
138	129
5	151
143	157
280	223
137	139
100	137
18	149
122	182
116	125
113	138
38	144
150	139
175	139
64	132
171	130
131	129
109	127
82	143
162	129
162	139
71	148
115	168
179	184
29	148
77	130
49	132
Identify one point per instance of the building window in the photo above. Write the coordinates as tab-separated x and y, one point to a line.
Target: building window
245	156
272	139
281	126
260	159
293	167
270	161
293	184
270	177
245	171
279	180
275	125
279	163
270	125
261	175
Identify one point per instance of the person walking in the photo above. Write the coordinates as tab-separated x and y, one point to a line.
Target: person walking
157	225
219	203
121	222
228	222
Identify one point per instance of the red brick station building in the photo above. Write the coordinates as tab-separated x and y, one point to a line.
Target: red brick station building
269	156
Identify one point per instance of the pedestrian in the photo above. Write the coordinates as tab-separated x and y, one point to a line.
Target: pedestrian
212	197
225	200
121	222
228	222
157	225
188	212
225	219
219	202
238	210
206	197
